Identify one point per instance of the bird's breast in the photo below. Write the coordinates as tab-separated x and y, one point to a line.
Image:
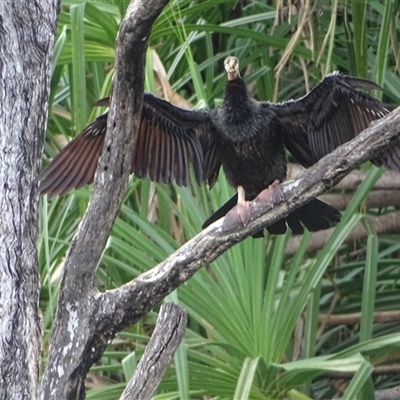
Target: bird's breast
237	125
253	163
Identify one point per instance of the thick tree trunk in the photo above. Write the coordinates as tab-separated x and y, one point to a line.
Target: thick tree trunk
27	32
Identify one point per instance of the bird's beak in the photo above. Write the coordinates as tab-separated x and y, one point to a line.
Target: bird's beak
232	68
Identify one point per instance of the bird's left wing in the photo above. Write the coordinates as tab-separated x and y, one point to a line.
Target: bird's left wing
333	113
170	140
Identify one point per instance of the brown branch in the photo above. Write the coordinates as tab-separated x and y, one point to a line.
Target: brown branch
384	224
355	318
167	335
298	339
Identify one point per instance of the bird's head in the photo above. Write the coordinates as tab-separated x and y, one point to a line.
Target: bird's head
231	65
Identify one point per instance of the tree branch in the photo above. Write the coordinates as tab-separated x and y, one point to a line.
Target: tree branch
71	353
168	333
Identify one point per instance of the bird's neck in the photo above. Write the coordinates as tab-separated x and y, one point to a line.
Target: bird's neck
235	93
236	115
237	105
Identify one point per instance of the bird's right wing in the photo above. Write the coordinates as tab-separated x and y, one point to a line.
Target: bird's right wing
170	140
333	113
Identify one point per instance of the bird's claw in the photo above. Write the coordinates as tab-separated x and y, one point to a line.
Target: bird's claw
272	195
238	216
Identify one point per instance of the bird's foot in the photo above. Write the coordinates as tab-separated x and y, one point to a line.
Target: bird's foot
240	214
272	195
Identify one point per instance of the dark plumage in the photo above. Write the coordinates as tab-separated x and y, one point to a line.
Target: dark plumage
243	135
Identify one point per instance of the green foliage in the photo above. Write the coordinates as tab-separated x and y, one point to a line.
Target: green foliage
247	308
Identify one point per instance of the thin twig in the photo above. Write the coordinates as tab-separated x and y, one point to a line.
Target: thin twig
355	318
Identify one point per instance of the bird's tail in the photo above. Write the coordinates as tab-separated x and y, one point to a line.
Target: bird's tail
315	216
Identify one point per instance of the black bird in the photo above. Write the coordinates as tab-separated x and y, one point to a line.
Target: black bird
245	136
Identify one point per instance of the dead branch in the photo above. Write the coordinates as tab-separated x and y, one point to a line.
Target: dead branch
167	335
355	318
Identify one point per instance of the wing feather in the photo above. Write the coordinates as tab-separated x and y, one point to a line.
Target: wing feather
333	113
76	164
170	140
90	166
179	162
152	152
162	159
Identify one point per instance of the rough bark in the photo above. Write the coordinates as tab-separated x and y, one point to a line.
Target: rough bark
167	336
27	33
390	180
78	340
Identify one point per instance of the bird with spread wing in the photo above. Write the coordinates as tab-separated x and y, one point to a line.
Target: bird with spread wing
244	136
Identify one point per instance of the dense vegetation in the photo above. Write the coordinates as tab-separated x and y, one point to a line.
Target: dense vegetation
255	326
